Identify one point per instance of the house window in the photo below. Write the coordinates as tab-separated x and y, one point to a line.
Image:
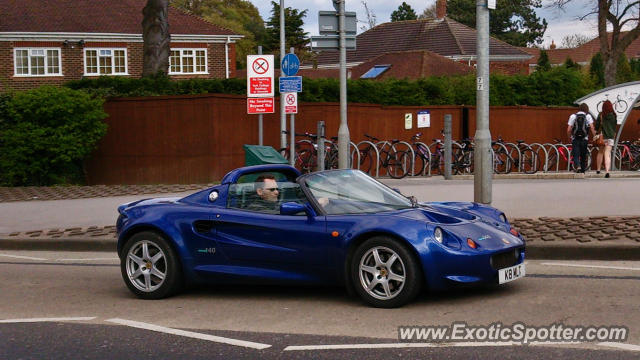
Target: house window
105	61
37	62
188	61
375	71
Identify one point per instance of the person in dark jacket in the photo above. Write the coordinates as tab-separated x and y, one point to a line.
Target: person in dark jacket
267	191
606	127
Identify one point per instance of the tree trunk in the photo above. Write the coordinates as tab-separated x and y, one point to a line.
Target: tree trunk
155	33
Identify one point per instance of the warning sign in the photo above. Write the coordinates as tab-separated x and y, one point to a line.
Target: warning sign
259	75
259	105
290	103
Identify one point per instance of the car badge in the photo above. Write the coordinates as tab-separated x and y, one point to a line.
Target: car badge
506	241
485	237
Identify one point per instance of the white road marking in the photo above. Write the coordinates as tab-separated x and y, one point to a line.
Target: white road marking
417	345
89	259
622	346
22	257
190	334
593	266
53	319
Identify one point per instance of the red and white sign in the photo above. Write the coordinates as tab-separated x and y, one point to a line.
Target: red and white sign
290	103
260	105
260	75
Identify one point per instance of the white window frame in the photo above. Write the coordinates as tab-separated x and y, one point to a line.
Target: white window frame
46	62
181	72
113	63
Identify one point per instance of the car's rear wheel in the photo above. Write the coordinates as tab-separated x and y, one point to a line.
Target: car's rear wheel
150	267
384	273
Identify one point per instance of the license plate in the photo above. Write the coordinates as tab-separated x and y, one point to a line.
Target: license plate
511	273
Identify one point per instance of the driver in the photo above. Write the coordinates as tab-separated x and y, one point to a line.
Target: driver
267	191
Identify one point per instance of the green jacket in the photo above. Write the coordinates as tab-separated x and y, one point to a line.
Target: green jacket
608	126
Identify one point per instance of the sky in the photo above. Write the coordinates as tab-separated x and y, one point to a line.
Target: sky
561	23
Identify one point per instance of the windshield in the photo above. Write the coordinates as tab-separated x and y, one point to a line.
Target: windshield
353	192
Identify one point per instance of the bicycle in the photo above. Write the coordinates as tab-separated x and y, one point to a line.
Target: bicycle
463	156
501	158
423	155
564	152
306	153
527	161
395	161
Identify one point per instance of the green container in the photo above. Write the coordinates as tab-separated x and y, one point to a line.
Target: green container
260	155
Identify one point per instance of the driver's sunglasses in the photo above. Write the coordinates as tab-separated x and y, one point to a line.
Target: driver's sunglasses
272	189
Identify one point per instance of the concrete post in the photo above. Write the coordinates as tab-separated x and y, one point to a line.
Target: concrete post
447	146
321	154
482	153
343	130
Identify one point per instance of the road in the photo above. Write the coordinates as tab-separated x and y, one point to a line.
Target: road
99	318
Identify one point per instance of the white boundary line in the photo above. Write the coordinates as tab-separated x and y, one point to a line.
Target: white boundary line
190	334
592	266
23	257
53	319
418	345
90	259
623	346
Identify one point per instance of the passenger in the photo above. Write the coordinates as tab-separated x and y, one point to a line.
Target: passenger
606	127
579	126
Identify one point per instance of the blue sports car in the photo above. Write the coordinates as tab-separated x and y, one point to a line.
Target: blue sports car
270	223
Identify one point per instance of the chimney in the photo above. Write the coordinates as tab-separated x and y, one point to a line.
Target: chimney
441	9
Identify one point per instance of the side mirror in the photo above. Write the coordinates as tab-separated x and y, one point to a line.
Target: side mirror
292	208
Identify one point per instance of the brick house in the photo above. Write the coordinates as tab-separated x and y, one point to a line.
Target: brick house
54	41
442	37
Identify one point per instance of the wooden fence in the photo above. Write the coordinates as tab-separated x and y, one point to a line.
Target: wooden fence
199	138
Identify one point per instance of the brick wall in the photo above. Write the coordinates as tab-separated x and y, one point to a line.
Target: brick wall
72	57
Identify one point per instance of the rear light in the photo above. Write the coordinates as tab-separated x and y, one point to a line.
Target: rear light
472	244
514	232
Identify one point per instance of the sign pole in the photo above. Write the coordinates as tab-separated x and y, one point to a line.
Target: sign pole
482	154
260	128
292	130
283	117
343	131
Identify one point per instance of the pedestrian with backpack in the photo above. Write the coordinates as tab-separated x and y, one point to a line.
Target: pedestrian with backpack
579	127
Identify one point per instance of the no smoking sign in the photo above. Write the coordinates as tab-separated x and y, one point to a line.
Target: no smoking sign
260	76
290	103
260	66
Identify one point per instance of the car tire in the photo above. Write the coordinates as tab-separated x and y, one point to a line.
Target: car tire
381	281
150	267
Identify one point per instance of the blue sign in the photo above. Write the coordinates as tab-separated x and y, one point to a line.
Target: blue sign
291	84
290	64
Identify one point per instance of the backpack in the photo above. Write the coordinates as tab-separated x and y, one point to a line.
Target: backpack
579	130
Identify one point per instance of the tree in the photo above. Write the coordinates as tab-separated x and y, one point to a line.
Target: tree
294	34
155	34
615	14
241	16
543	62
404	12
624	73
371	17
430	12
574	41
570	64
513	21
596	70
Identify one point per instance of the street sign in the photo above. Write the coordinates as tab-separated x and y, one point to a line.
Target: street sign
424	118
291	84
290	102
290	64
328	23
260	76
332	42
491	4
260	105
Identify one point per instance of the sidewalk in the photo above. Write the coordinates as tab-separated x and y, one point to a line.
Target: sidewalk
561	218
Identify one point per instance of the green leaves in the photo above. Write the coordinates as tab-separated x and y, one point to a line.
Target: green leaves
46	134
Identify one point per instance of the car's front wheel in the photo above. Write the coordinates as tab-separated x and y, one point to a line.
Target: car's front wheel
150	267
384	273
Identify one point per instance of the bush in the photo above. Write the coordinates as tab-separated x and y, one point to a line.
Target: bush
46	134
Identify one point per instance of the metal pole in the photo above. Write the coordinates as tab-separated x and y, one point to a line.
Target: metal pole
260	133
482	154
292	133
321	154
447	146
343	131
283	117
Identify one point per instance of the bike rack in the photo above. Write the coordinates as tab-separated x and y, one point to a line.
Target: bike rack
566	147
352	144
517	150
377	159
546	163
413	154
493	153
546	155
428	164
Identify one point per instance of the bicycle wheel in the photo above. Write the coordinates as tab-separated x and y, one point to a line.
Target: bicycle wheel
398	164
419	165
366	159
528	161
306	161
501	161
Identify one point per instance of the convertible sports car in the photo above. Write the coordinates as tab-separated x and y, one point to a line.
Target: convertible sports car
329	227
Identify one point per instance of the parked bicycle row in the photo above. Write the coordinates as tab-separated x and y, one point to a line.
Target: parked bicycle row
396	158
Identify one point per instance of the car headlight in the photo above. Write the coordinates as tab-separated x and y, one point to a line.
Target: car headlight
437	234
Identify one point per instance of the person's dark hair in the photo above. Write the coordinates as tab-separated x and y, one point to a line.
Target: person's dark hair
607	107
584	108
259	183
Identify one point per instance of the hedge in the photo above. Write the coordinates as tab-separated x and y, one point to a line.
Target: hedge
559	86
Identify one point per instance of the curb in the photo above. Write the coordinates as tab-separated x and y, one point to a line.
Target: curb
534	250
